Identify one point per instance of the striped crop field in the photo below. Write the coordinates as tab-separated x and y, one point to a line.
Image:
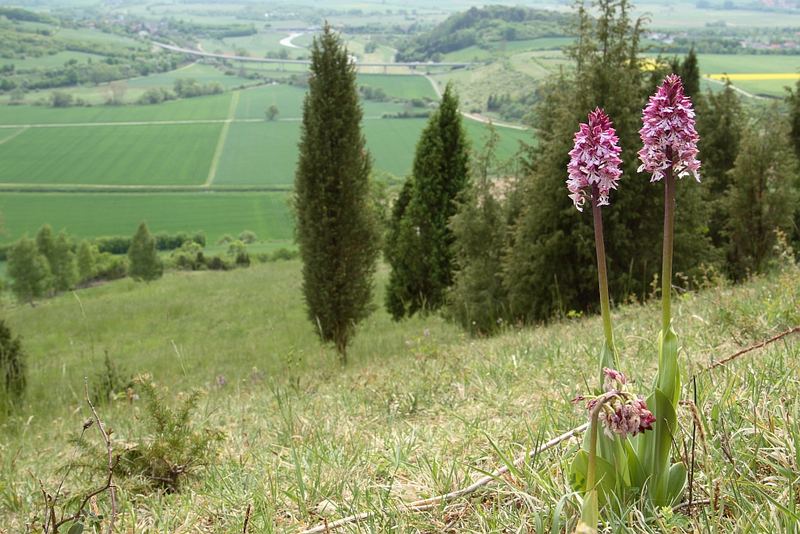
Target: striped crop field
760	76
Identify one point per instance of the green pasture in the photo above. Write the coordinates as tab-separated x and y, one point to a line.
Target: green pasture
200	108
99	37
257	45
265	153
201	72
102	214
753	64
289	100
49	61
254	102
113	155
259	153
400	86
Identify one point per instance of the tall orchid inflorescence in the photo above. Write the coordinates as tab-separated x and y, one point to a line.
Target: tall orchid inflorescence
617	466
593	172
668	134
594	161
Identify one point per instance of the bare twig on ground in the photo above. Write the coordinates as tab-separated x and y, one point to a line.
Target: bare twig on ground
427	504
51	524
751	348
246	519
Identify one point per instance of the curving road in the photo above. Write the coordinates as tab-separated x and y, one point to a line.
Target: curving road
200	53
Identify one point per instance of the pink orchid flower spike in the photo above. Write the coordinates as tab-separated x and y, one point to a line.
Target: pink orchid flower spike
594	161
668	133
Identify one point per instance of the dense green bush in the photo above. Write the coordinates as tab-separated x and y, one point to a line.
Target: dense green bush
12	368
172	446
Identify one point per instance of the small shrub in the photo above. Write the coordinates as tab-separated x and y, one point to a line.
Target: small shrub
248	237
238	252
189	257
109	382
217	263
224	240
12	367
174	446
111	267
284	254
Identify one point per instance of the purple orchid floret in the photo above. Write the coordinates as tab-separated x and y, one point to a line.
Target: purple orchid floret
668	133
612	376
594	161
627	417
622	413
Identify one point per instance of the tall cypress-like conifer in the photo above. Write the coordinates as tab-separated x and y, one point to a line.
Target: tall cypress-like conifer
421	249
336	229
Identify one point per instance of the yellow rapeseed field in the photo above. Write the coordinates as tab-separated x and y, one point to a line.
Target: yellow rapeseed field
756	76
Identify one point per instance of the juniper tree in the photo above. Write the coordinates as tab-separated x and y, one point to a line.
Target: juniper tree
719	124
401	238
336	230
12	367
477	298
793	99
551	265
28	270
440	173
143	257
762	196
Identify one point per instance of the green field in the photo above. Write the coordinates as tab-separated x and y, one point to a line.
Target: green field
400	86
206	107
173	154
254	102
259	153
50	60
753	64
99	214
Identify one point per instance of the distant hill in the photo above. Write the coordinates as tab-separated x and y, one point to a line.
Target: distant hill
481	27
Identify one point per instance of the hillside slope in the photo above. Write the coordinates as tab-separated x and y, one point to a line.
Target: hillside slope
421	410
481	27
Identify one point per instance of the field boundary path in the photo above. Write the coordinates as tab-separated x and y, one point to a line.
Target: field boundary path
13	135
411	64
733	86
475	116
223	136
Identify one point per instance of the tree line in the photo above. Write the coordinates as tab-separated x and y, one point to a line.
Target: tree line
487	247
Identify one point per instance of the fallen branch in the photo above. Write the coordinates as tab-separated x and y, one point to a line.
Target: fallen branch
109	484
427	504
751	348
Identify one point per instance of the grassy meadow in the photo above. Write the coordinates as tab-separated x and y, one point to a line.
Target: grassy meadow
420	409
101	214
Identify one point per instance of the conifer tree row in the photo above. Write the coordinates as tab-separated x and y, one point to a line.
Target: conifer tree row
550	267
336	227
419	245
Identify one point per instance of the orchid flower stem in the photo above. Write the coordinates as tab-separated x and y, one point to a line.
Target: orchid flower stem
669	234
602	275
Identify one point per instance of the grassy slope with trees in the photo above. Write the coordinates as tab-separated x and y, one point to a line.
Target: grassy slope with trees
419	410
